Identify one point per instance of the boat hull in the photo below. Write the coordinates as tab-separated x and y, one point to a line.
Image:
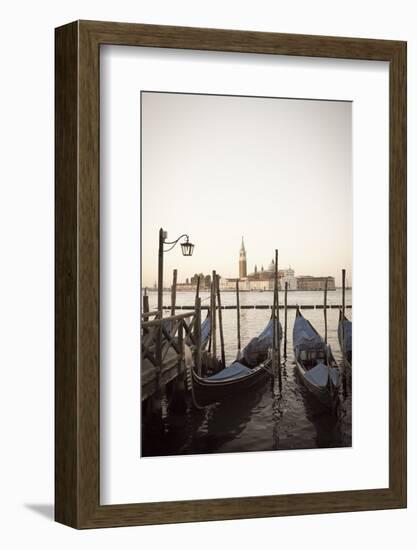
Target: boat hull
321	393
206	392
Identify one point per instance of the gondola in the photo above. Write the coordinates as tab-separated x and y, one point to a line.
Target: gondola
344	333
315	363
249	369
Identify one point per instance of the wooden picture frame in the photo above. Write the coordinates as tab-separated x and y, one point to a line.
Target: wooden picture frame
77	382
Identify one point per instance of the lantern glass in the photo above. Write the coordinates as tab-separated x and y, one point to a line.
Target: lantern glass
187	248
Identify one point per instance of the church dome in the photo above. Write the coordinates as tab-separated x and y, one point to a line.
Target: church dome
271	266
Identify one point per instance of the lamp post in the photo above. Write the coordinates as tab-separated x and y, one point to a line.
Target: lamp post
187	249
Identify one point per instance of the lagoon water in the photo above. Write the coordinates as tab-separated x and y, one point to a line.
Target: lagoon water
265	419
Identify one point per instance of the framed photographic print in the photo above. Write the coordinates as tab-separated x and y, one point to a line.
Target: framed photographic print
230	274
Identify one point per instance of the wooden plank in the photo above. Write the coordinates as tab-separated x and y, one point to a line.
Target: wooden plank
155	322
149	380
147	314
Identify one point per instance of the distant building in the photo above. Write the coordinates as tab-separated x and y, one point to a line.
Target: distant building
195	277
262	279
205	280
191	284
307	282
229	284
259	279
185	286
242	261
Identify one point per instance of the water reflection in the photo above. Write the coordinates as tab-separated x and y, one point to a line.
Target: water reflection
276	390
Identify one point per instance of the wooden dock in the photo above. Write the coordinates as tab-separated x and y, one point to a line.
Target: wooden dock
166	350
171	369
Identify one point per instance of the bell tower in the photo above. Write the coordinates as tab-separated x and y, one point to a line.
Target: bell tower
242	261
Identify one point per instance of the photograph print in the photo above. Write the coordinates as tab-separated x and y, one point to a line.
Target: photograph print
246	274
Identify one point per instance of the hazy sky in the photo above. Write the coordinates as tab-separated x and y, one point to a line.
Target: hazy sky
278	171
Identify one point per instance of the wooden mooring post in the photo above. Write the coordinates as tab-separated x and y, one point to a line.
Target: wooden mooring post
276	347
181	349
275	318
343	315
220	321
238	317
274	332
211	317
197	290
325	311
197	335
277	305
145	307
174	291
285	319
214	315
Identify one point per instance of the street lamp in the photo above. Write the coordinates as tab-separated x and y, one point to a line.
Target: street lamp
187	250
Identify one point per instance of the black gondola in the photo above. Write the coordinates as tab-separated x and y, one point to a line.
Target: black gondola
315	363
344	333
248	370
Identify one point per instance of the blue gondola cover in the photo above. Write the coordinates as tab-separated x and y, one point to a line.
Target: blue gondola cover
235	370
205	330
347	335
304	336
260	344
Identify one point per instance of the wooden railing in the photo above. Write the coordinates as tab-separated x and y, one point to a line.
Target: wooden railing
163	346
159	335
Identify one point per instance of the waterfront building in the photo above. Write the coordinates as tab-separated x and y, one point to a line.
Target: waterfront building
185	286
260	279
191	284
307	282
229	284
